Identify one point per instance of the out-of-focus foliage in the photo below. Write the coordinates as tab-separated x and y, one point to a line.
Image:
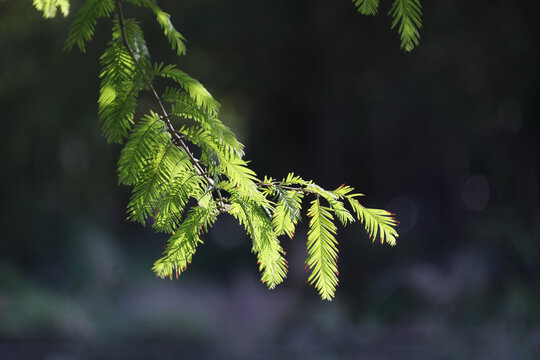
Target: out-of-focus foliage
407	15
82	27
49	7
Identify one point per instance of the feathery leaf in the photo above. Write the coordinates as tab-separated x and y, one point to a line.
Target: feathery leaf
176	39
182	245
155	182
81	29
407	16
322	250
343	215
185	106
367	7
49	7
293	179
229	163
141	148
122	78
254	218
376	221
194	88
287	211
185	184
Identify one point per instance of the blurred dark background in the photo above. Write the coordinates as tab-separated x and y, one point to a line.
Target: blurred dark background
446	137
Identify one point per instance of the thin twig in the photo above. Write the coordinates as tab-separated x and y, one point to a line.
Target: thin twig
166	116
286	187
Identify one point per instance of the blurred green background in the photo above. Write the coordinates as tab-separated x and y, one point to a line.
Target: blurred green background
446	137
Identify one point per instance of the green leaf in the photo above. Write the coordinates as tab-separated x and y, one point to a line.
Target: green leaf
293	179
407	16
81	29
230	164
345	191
49	7
144	141
185	106
376	221
122	77
322	250
287	211
182	245
176	39
367	7
194	88
118	93
239	175
254	218
185	184
343	215
155	182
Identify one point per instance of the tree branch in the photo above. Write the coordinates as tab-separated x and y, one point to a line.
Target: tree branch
286	187
165	115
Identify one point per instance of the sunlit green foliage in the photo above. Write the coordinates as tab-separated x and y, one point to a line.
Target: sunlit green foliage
49	7
81	29
376	221
322	250
176	39
182	195
258	224
123	76
182	245
192	87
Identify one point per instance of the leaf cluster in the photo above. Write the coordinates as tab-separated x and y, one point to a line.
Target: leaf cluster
50	7
406	15
182	195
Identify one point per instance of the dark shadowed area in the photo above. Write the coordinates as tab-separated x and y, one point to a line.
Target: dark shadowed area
446	137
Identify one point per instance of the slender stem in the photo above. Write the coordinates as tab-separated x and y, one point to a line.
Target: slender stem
165	115
286	187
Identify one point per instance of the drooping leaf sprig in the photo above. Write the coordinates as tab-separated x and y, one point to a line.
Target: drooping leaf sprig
50	7
183	195
407	18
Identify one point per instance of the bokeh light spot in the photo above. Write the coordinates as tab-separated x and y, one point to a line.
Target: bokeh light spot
476	193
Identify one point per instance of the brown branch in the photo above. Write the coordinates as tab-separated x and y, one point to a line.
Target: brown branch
165	115
286	187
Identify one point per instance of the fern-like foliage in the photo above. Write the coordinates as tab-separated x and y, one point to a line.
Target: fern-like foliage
367	7
141	147
182	195
184	185
322	250
176	40
123	75
182	245
185	106
407	18
155	182
287	211
376	221
49	7
258	224
82	27
192	87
